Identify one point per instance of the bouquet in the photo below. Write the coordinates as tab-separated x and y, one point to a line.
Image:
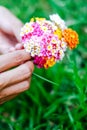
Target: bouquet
47	40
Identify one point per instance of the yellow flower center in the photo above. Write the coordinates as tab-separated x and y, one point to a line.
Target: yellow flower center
58	32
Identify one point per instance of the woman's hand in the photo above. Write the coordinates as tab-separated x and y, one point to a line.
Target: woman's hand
16	80
10	27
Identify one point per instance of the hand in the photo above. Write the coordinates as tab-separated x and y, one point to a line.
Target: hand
16	80
10	27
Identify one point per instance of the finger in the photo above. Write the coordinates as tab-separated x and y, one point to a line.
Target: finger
15	89
9	23
11	49
9	41
6	45
4	39
13	59
19	46
16	75
7	98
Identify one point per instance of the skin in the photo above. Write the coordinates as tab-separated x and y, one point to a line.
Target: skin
10	27
17	80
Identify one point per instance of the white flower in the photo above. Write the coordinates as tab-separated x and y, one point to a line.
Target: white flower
58	21
35	50
22	33
61	54
32	48
51	24
27	47
26	29
63	45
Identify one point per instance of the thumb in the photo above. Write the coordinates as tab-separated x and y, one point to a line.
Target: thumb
9	23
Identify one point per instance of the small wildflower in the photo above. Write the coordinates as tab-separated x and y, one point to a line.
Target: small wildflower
58	21
49	63
47	40
58	32
71	37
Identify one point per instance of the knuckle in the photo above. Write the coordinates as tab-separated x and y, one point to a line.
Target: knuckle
1	84
32	66
28	70
0	96
27	86
25	72
18	57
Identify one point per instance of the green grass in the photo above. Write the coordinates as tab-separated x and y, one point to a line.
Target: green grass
46	106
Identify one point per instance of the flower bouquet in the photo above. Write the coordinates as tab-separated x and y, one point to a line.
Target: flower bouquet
47	40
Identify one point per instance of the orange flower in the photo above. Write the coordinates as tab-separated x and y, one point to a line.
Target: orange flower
50	62
71	37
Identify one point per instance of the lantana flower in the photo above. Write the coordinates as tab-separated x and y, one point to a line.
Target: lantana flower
47	40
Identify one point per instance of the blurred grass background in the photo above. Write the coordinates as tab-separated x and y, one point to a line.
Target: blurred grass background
46	106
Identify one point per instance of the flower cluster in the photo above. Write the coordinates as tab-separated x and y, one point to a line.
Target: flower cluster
47	40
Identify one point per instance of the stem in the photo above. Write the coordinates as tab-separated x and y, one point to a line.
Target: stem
47	80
